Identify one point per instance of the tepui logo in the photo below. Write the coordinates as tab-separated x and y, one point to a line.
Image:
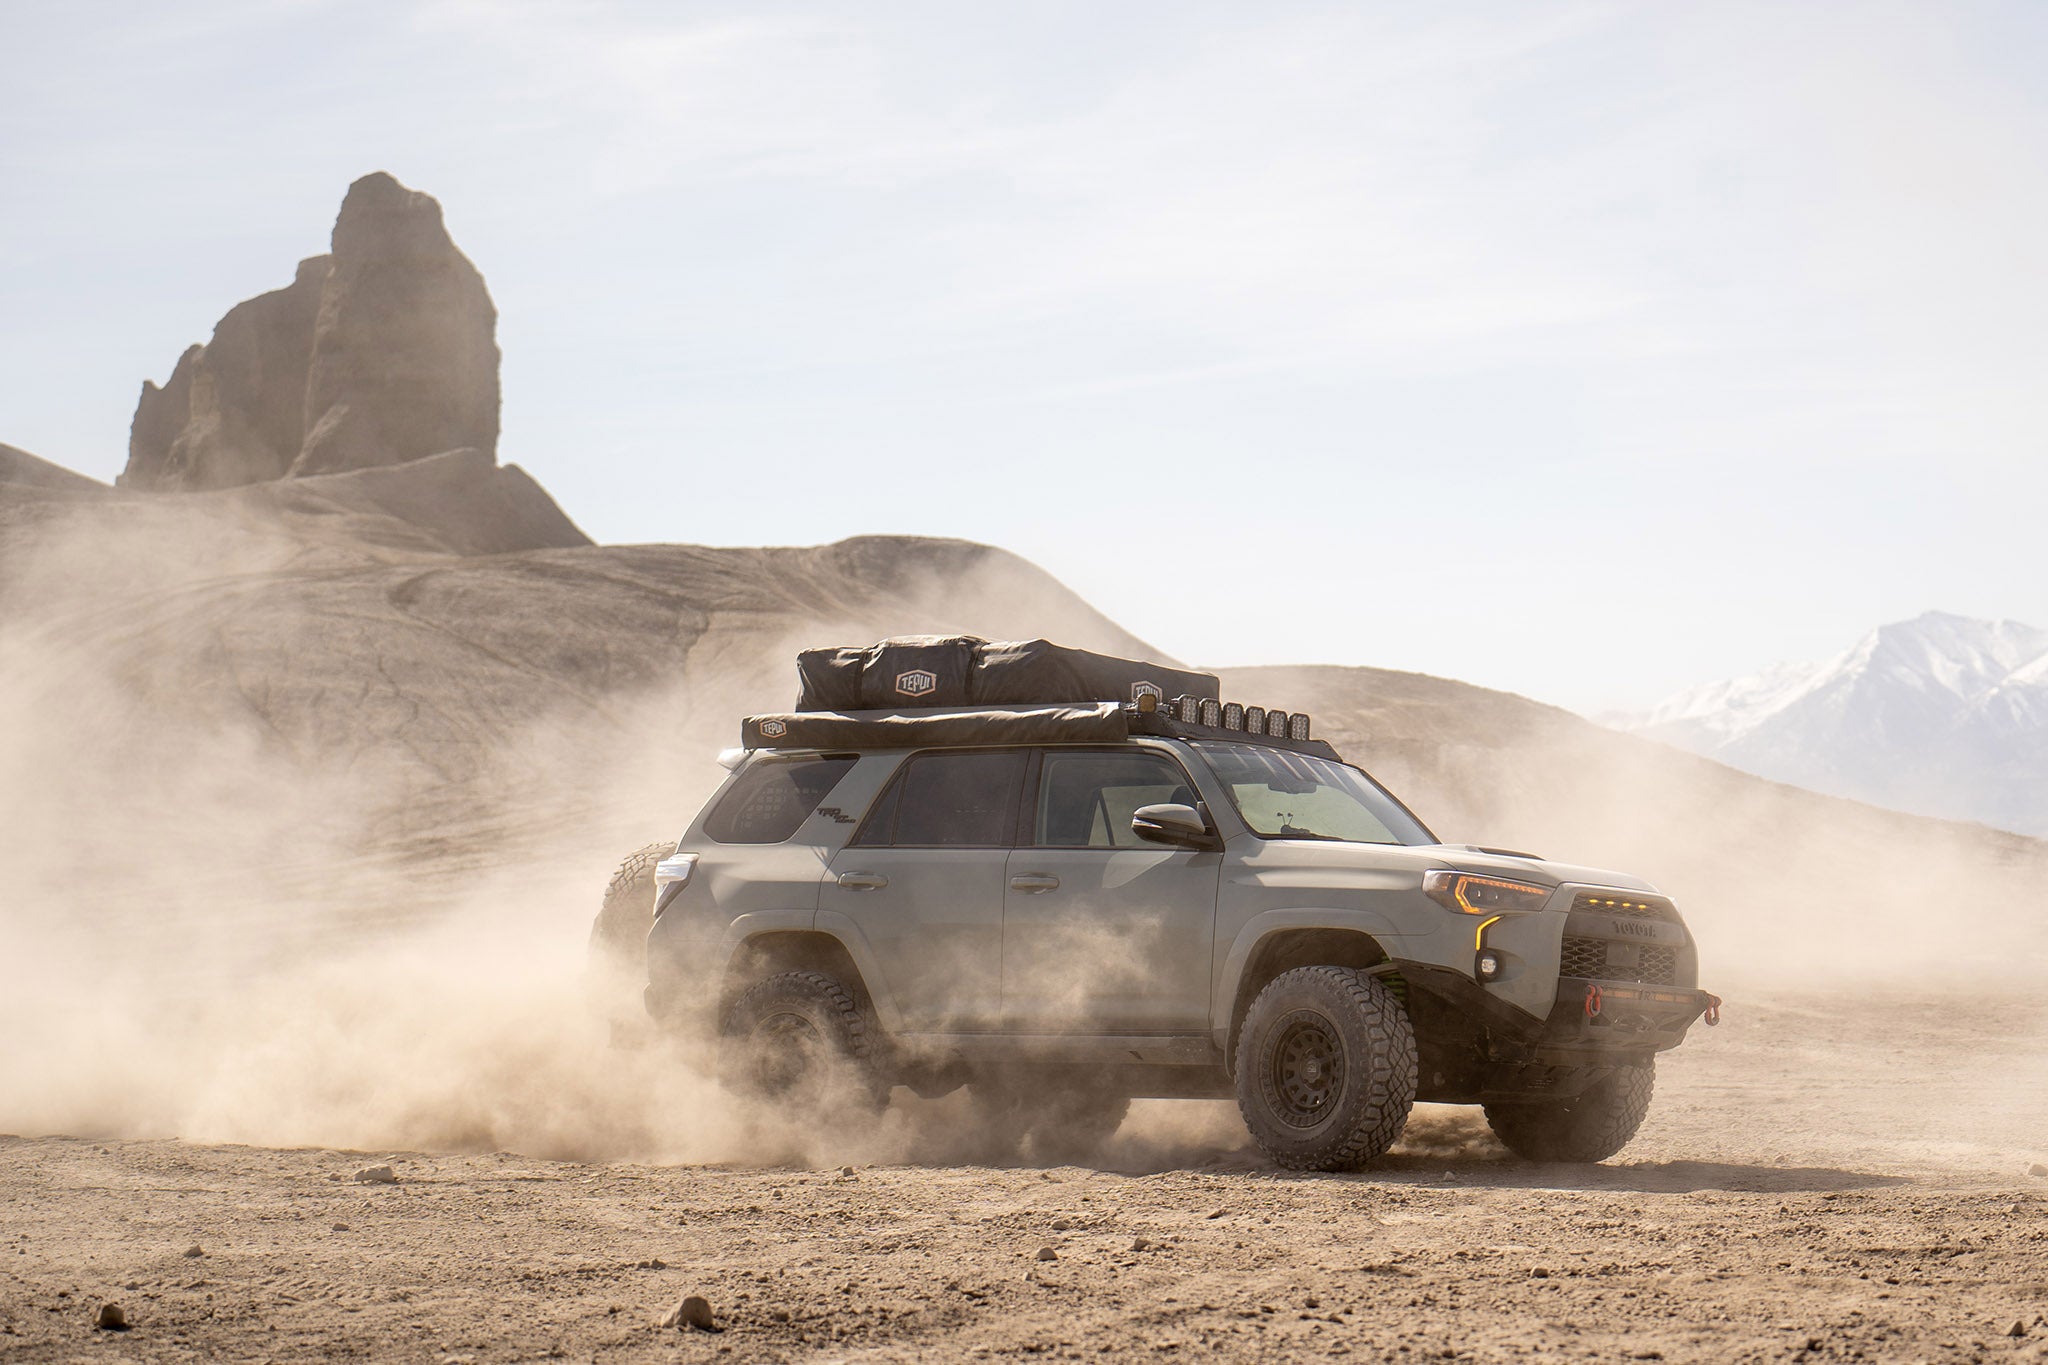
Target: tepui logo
1140	690
918	682
774	729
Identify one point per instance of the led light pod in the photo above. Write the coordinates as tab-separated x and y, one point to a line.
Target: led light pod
1255	720
1276	725
1212	714
1297	726
1233	716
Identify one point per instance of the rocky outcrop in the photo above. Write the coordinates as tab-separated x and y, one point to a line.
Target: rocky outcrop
379	353
404	355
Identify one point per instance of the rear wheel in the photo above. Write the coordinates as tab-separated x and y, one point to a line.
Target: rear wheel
1325	1069
1590	1126
802	1039
1054	1120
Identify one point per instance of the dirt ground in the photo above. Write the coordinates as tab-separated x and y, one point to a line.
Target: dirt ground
1820	1179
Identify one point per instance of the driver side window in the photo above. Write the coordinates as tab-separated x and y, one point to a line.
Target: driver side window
1085	800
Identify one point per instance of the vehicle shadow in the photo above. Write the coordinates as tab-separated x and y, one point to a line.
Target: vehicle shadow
1452	1148
1642	1177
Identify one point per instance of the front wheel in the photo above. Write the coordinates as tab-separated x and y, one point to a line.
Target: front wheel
1590	1126
1325	1069
802	1039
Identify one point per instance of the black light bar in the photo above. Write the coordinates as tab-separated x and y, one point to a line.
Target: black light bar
1222	715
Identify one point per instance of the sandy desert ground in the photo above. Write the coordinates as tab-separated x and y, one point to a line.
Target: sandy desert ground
1830	1177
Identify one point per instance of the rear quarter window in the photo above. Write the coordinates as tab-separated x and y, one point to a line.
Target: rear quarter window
767	802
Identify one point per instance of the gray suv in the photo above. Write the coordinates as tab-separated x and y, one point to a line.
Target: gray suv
1067	905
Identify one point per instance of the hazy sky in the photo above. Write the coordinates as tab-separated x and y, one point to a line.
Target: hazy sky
1586	350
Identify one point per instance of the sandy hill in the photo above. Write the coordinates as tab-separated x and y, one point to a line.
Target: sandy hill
289	693
284	691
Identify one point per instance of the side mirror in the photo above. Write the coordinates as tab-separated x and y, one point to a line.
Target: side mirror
1183	826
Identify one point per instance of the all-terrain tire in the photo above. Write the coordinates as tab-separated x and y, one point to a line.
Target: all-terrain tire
1590	1126
803	1038
618	936
1072	1125
1325	1069
1056	1121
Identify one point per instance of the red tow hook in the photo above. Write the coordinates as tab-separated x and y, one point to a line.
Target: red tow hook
1593	1001
1713	1014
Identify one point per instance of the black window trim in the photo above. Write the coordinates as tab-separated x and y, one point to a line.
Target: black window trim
887	796
1027	815
725	794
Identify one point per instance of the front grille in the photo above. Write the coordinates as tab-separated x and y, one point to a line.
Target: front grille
1599	959
1615	903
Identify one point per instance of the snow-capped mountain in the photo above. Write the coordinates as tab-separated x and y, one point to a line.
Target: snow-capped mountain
1940	715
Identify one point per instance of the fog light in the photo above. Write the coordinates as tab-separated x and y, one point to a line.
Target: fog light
1488	965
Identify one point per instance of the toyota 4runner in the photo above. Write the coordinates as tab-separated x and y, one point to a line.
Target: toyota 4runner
1067	900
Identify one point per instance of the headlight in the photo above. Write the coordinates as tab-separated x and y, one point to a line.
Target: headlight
671	875
1471	894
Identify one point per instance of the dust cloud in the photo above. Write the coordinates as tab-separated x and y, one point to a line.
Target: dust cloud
226	916
234	909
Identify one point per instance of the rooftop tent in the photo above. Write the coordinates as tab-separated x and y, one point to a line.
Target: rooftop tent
922	671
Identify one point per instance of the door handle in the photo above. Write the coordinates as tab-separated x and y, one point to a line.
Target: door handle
863	881
1035	883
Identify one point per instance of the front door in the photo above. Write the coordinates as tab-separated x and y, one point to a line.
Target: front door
1102	931
923	884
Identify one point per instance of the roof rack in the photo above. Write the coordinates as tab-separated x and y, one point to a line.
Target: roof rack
1104	722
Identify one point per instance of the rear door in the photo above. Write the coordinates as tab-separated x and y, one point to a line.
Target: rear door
922	882
1102	931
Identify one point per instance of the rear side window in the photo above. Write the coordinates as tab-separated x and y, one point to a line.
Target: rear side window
950	800
767	802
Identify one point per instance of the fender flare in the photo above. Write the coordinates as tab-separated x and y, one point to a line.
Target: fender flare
835	925
1262	926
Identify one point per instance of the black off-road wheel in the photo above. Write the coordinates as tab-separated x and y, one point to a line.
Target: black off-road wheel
1074	1124
1059	1121
1325	1069
803	1040
1590	1126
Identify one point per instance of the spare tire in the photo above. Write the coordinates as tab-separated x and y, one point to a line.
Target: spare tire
618	936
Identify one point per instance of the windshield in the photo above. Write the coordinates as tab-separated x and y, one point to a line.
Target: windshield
1285	795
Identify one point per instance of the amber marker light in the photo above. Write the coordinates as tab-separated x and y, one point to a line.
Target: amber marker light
1468	893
